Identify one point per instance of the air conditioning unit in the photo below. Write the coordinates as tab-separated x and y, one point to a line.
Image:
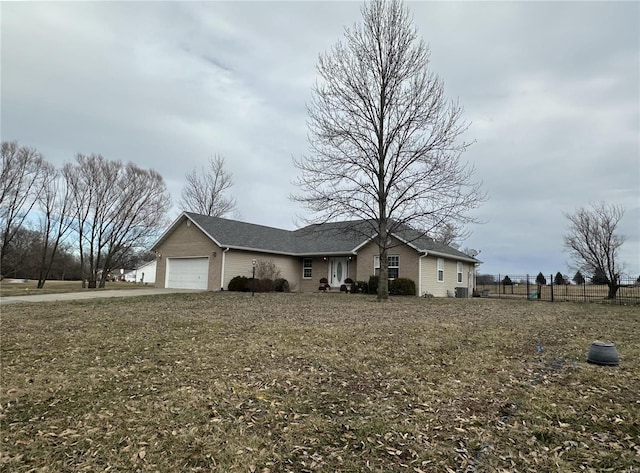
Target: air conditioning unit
462	292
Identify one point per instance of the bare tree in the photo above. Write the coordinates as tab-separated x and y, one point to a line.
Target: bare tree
20	184
55	222
384	140
118	209
450	233
593	242
204	192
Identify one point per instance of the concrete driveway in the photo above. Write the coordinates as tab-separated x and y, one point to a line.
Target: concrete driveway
73	296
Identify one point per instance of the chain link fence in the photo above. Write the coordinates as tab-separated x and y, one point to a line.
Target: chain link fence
510	286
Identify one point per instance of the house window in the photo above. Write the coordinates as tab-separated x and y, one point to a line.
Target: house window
459	265
393	264
440	269
307	266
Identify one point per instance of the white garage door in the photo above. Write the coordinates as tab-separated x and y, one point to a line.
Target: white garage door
187	273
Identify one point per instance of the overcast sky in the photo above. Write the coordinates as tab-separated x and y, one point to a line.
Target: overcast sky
551	91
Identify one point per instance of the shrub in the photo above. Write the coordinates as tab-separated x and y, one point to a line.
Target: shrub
373	285
343	288
267	269
402	287
239	284
360	287
259	285
281	285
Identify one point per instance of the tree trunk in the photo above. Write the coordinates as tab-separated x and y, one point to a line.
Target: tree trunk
613	290
383	278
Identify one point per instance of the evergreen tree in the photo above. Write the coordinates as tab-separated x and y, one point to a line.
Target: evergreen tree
507	281
579	278
559	279
599	277
540	279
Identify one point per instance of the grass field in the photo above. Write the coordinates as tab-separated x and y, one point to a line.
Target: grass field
318	382
10	288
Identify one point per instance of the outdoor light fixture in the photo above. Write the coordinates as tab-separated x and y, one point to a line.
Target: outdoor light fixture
253	280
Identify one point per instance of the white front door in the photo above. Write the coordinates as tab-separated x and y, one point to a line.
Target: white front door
338	271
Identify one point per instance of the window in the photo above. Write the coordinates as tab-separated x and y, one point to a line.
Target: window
307	266
459	272
440	269
393	264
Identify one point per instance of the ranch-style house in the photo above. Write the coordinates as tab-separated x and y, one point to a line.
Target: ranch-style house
202	252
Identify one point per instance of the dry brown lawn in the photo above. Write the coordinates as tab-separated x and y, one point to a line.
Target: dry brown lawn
318	382
10	288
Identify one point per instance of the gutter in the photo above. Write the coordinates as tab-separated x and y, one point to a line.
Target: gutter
450	256
222	269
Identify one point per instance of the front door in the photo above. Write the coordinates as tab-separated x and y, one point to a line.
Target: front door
338	271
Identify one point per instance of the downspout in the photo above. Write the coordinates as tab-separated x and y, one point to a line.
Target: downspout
222	269
420	274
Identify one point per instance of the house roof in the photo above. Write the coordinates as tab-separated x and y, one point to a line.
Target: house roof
333	238
228	233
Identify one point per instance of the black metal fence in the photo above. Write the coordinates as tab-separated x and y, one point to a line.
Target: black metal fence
508	286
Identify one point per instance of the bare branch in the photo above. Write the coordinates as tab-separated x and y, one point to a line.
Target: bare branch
204	191
385	144
593	243
20	185
117	208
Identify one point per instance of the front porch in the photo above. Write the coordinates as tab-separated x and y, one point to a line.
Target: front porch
329	273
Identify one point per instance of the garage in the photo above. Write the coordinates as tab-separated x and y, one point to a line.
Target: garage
188	273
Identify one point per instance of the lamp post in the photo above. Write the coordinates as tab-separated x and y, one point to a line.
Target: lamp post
253	279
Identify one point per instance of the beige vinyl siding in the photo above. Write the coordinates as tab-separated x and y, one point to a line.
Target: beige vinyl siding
430	281
239	263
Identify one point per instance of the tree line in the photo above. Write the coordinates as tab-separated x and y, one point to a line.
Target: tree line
559	279
84	219
92	215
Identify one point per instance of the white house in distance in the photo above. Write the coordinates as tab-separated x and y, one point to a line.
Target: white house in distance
144	274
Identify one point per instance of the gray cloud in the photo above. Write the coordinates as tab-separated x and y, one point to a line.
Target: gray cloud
550	88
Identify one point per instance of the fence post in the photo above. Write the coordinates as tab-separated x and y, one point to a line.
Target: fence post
499	283
552	288
528	291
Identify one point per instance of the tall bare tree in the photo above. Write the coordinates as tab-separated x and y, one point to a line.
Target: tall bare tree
594	244
20	185
204	191
384	140
118	209
55	220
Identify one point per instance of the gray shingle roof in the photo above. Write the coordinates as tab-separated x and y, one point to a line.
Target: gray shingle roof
235	234
327	238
